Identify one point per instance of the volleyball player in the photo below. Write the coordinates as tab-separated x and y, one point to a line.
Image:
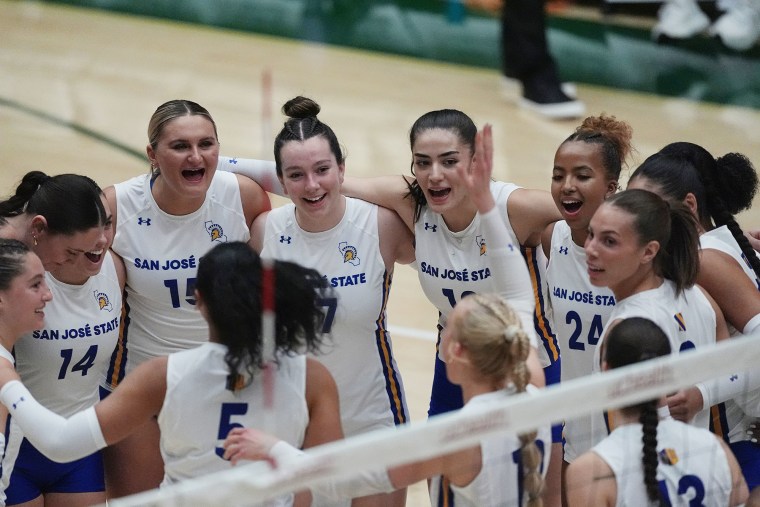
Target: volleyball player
586	169
198	395
164	222
355	245
485	350
646	251
648	459
714	190
63	361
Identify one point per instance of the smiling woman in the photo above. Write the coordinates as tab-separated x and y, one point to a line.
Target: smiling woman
171	216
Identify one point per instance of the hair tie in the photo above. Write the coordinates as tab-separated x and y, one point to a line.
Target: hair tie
510	333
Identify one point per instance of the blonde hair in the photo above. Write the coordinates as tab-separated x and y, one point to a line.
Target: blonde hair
498	348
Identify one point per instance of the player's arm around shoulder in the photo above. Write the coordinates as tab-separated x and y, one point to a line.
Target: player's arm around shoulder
255	200
135	400
386	191
396	240
530	212
258	230
324	408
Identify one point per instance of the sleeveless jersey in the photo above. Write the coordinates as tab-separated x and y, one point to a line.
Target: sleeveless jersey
728	419
359	354
688	320
199	410
6	465
692	467
499	482
451	265
63	363
580	311
161	254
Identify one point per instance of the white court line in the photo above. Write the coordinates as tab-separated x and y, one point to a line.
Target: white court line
411	332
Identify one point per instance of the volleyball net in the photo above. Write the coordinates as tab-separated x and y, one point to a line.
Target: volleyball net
343	460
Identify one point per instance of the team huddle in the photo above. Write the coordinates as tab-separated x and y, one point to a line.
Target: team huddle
132	318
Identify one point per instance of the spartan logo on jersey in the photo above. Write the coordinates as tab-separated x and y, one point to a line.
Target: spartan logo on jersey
216	232
103	302
681	321
481	242
349	253
668	456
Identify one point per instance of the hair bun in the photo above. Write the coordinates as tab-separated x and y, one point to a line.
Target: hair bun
301	107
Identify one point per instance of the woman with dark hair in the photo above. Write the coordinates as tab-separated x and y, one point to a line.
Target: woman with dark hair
485	350
714	190
66	220
645	250
198	395
165	221
61	218
586	170
650	460
355	245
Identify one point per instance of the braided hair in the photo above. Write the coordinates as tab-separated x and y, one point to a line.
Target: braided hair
631	341
498	348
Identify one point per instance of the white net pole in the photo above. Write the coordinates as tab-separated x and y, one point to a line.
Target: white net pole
250	484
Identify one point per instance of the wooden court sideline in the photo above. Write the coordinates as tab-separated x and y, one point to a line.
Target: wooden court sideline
78	86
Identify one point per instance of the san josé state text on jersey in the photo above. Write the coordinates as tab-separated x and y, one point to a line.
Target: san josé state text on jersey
587	297
83	331
166	264
464	275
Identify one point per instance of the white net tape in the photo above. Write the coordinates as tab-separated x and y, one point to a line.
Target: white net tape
451	432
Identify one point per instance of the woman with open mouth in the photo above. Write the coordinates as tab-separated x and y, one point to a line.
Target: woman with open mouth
164	222
586	169
355	245
65	219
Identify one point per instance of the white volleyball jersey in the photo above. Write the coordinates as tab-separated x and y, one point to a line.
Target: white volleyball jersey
692	465
199	411
687	319
499	482
63	363
580	311
451	265
728	419
359	354
8	459
536	261
161	254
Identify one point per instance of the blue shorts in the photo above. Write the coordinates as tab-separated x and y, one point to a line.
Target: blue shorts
445	396
34	475
748	456
552	374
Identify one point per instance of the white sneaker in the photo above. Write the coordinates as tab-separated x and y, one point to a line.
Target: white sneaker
739	28
680	19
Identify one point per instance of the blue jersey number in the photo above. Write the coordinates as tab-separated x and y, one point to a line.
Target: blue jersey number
594	333
449	293
685	484
331	305
225	421
173	286
517	460
82	365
